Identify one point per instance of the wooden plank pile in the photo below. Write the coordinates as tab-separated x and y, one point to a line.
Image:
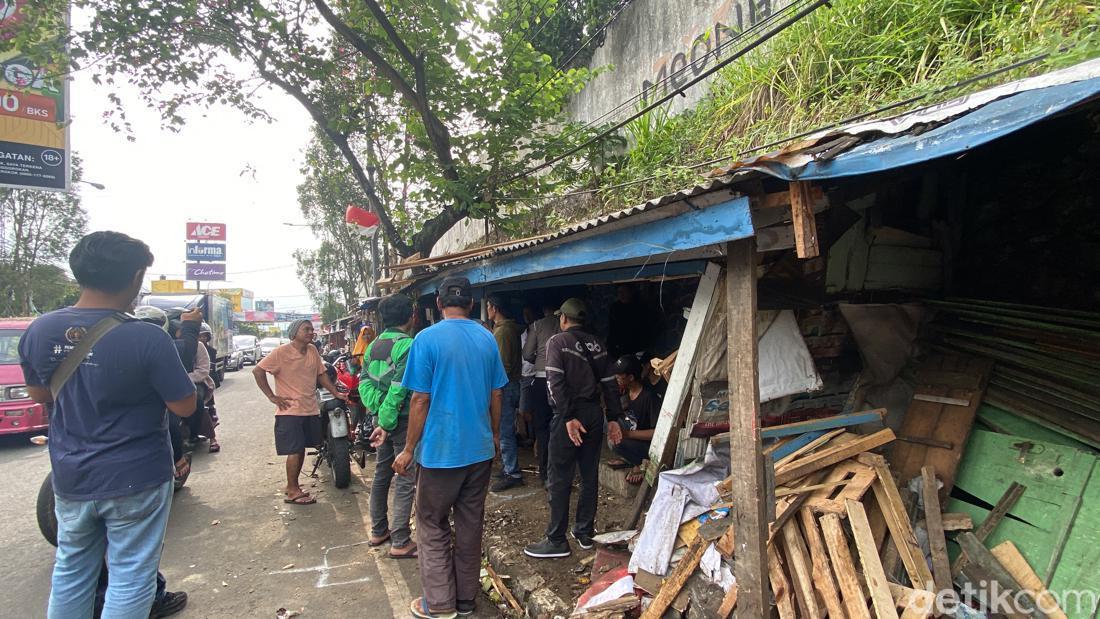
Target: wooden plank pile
1047	360
842	525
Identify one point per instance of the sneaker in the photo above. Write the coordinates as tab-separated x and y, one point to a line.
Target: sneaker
505	483
466	607
548	549
170	604
584	541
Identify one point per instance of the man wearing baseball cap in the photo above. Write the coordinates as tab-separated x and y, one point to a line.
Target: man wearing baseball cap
455	375
578	371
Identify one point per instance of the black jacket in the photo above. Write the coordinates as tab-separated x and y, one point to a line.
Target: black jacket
572	378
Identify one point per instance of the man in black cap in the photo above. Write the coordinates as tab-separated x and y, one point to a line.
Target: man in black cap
578	370
455	375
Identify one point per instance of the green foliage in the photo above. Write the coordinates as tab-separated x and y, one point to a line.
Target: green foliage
845	60
37	231
448	87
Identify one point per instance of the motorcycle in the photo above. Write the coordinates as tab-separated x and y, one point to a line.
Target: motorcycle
345	435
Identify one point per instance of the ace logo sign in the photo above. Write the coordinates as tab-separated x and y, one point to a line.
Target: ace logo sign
205	231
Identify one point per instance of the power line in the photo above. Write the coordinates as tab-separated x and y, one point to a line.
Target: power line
661	84
846	121
749	47
528	36
564	64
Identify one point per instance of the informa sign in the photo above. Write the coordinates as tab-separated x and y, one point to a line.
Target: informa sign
34	144
205	231
205	272
265	306
206	252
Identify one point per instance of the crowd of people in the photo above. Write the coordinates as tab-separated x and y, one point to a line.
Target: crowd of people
445	402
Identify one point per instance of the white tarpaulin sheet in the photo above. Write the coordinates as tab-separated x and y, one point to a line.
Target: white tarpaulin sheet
681	495
786	367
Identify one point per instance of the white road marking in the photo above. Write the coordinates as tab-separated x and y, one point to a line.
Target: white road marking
324	571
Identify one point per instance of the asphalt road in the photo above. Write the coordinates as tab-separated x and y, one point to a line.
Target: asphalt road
232	544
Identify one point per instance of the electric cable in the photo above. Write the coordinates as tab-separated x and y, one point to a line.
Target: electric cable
814	5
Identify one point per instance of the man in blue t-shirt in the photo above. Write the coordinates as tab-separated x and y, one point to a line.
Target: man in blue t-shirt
455	375
109	446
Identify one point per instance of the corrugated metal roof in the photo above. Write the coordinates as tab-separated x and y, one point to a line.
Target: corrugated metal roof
864	147
708	186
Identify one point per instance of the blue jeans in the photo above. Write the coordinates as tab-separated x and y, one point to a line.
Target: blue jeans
129	530
509	450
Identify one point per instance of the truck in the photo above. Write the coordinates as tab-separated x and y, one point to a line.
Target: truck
217	311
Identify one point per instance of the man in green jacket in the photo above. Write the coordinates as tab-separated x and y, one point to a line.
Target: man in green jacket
383	396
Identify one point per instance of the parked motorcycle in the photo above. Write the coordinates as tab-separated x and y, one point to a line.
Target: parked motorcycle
343	431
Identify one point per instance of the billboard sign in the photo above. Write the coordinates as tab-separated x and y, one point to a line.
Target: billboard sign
205	231
34	135
265	306
206	252
199	272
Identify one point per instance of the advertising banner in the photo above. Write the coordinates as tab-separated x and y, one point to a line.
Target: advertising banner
206	252
265	306
34	136
205	231
205	272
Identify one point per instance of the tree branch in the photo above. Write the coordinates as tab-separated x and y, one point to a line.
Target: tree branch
341	143
398	42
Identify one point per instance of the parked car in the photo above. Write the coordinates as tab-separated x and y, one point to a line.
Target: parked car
235	361
269	344
249	345
18	413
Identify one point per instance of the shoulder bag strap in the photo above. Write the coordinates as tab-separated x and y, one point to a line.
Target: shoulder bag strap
79	352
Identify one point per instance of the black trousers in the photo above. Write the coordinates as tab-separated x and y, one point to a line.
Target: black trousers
632	450
541	416
565	457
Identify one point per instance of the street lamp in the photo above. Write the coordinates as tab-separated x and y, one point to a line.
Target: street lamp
99	186
287	223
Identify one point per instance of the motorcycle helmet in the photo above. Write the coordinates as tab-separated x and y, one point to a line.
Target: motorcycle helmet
205	328
152	315
331	371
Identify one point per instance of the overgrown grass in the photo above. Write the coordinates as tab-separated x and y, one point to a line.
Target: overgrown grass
852	58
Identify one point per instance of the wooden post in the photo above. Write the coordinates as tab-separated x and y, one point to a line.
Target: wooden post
802	216
746	453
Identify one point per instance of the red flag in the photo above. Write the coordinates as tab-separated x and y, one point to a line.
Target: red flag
364	219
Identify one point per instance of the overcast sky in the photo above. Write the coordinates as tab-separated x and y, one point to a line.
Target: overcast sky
219	168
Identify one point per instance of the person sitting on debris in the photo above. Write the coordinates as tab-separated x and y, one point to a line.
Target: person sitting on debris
578	369
641	408
384	395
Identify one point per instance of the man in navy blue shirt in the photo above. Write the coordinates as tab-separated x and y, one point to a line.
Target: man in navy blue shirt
109	446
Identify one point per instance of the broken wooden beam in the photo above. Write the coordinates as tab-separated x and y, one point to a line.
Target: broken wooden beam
1007	501
830	456
937	543
844	567
670	586
877	583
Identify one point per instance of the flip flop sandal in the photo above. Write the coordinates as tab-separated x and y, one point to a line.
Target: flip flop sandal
301	499
215	447
635	477
411	554
615	465
374	542
419	608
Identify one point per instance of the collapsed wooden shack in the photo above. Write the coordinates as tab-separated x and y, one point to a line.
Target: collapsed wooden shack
933	424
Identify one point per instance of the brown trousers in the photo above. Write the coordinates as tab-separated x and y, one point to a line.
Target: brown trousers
450	571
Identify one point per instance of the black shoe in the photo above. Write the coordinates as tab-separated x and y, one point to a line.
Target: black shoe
547	549
584	541
170	604
465	607
505	483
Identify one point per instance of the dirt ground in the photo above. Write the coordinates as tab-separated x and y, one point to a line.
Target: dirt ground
519	516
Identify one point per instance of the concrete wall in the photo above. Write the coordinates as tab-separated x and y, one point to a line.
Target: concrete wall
652	39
